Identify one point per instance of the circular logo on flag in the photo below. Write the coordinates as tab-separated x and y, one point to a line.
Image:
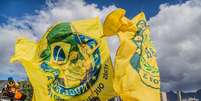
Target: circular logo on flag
143	59
71	61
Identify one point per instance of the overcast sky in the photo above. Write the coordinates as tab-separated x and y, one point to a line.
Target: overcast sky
175	29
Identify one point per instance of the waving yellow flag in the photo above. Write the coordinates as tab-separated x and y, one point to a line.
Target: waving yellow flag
136	71
71	62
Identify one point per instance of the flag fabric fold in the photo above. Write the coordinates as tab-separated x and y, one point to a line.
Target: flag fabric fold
136	72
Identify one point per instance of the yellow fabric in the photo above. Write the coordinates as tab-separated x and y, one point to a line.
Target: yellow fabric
136	71
113	19
115	22
74	56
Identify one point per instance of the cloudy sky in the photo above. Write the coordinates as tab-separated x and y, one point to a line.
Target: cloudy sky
175	27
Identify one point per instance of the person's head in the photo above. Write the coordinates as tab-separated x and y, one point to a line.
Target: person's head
10	81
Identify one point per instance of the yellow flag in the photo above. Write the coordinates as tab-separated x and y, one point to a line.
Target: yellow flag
71	62
136	71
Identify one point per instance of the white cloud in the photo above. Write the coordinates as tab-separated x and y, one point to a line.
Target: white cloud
176	32
34	26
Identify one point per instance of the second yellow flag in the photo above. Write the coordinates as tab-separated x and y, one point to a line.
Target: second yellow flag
136	71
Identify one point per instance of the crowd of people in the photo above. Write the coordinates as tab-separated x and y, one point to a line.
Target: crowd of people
16	91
